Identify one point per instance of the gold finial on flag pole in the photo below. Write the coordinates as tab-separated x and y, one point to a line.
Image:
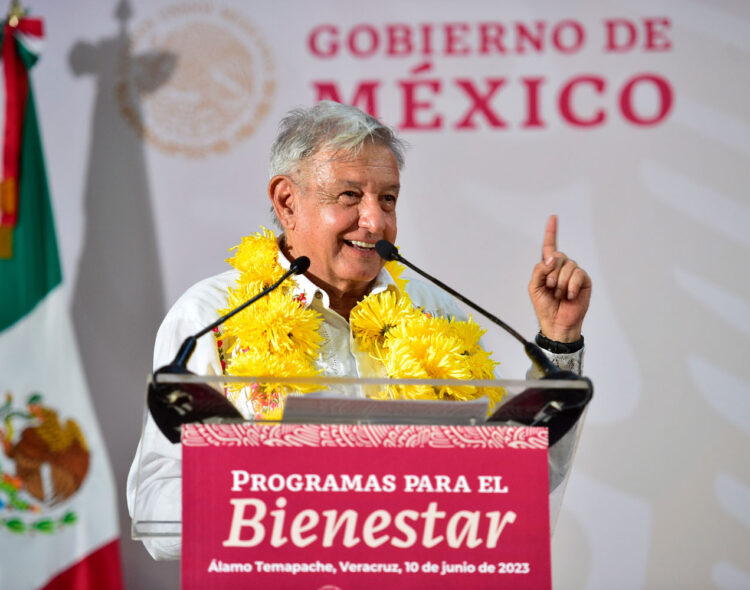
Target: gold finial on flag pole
15	13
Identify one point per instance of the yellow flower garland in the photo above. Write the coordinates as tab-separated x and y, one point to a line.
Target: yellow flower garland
278	336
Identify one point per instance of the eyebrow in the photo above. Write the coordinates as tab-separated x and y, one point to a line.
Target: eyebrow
355	184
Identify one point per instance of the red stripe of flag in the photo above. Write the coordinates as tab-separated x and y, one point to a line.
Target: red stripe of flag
100	570
16	89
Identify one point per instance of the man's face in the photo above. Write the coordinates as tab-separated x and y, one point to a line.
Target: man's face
342	206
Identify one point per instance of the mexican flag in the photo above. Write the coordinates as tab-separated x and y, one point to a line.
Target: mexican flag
58	519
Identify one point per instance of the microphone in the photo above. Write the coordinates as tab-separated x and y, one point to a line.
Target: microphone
534	406
387	251
300	265
174	404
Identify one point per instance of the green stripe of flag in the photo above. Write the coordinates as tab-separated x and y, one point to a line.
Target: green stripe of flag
34	269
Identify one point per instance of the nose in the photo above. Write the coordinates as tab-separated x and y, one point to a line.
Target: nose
372	217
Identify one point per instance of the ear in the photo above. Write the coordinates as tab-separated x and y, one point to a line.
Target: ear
283	197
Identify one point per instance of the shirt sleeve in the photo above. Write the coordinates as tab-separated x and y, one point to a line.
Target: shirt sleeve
562	453
154	487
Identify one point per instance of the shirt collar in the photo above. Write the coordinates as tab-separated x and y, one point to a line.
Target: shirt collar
306	291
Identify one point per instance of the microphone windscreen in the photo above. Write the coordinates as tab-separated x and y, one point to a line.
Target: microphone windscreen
300	265
386	250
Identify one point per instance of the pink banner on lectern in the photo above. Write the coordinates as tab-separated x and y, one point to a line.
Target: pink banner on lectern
345	506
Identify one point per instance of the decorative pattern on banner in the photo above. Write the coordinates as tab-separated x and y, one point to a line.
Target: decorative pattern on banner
371	436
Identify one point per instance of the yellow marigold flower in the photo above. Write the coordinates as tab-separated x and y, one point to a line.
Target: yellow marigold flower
480	365
256	257
419	327
429	356
495	394
277	324
384	393
375	316
396	269
239	294
468	333
435	325
254	362
434	347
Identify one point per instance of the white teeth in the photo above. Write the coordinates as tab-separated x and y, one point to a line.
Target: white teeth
362	244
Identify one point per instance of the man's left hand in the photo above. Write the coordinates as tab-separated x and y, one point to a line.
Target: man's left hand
560	290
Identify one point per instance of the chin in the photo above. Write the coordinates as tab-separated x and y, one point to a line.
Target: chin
362	276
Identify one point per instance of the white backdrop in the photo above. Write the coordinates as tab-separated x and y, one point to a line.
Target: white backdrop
628	119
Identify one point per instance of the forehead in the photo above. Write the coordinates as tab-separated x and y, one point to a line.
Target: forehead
374	162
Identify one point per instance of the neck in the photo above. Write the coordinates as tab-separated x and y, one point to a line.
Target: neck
342	301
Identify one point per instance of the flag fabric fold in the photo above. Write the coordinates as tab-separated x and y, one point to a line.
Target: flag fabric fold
58	515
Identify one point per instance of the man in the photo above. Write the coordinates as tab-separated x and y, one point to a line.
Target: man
336	203
334	189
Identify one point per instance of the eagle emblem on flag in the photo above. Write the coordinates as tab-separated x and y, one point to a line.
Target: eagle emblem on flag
44	462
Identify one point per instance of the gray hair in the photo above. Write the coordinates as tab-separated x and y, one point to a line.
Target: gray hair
328	125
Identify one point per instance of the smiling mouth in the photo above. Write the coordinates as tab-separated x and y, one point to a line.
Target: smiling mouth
361	246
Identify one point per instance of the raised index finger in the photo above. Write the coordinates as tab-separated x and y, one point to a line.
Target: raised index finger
550	238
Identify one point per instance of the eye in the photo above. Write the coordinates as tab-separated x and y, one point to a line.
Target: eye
389	201
349	196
